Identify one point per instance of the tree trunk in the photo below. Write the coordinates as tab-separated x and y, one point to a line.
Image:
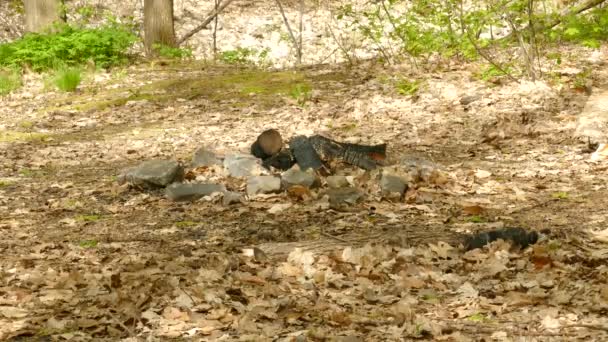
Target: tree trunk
41	14
158	24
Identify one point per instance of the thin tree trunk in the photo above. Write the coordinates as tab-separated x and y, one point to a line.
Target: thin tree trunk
158	24
301	29
294	41
41	14
215	20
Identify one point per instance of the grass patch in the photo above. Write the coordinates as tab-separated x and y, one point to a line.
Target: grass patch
13	136
407	87
185	224
29	173
349	127
301	92
234	86
476	219
171	52
430	298
10	79
221	85
88	218
560	195
5	183
244	56
26	124
71	204
478	317
67	79
554	245
88	243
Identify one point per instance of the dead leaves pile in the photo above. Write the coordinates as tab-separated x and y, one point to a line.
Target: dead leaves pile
374	292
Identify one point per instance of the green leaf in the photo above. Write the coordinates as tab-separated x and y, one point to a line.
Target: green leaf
572	31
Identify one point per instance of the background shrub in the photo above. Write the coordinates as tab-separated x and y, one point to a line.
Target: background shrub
105	46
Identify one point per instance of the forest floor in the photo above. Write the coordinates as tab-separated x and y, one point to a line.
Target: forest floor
84	258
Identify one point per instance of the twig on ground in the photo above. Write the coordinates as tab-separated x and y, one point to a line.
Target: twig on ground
127	329
334	237
205	22
588	326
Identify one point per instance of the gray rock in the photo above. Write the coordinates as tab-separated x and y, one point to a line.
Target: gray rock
468	99
242	165
344	196
205	157
392	184
337	181
416	169
191	192
295	176
231	197
263	185
153	173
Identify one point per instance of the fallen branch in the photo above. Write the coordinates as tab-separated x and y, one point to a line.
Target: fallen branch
206	22
588	326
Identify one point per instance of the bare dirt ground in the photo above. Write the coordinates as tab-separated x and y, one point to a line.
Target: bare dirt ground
86	259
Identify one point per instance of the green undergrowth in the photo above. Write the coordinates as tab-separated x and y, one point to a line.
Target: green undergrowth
63	51
105	46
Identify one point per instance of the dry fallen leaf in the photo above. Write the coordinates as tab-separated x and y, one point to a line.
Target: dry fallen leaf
299	192
601	236
279	207
472	210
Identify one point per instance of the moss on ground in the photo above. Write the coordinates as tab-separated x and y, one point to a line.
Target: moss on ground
16	136
235	86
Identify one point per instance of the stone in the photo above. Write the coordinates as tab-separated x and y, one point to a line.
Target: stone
263	185
191	191
205	157
153	174
242	165
337	181
231	197
415	169
344	196
392	185
295	176
468	99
